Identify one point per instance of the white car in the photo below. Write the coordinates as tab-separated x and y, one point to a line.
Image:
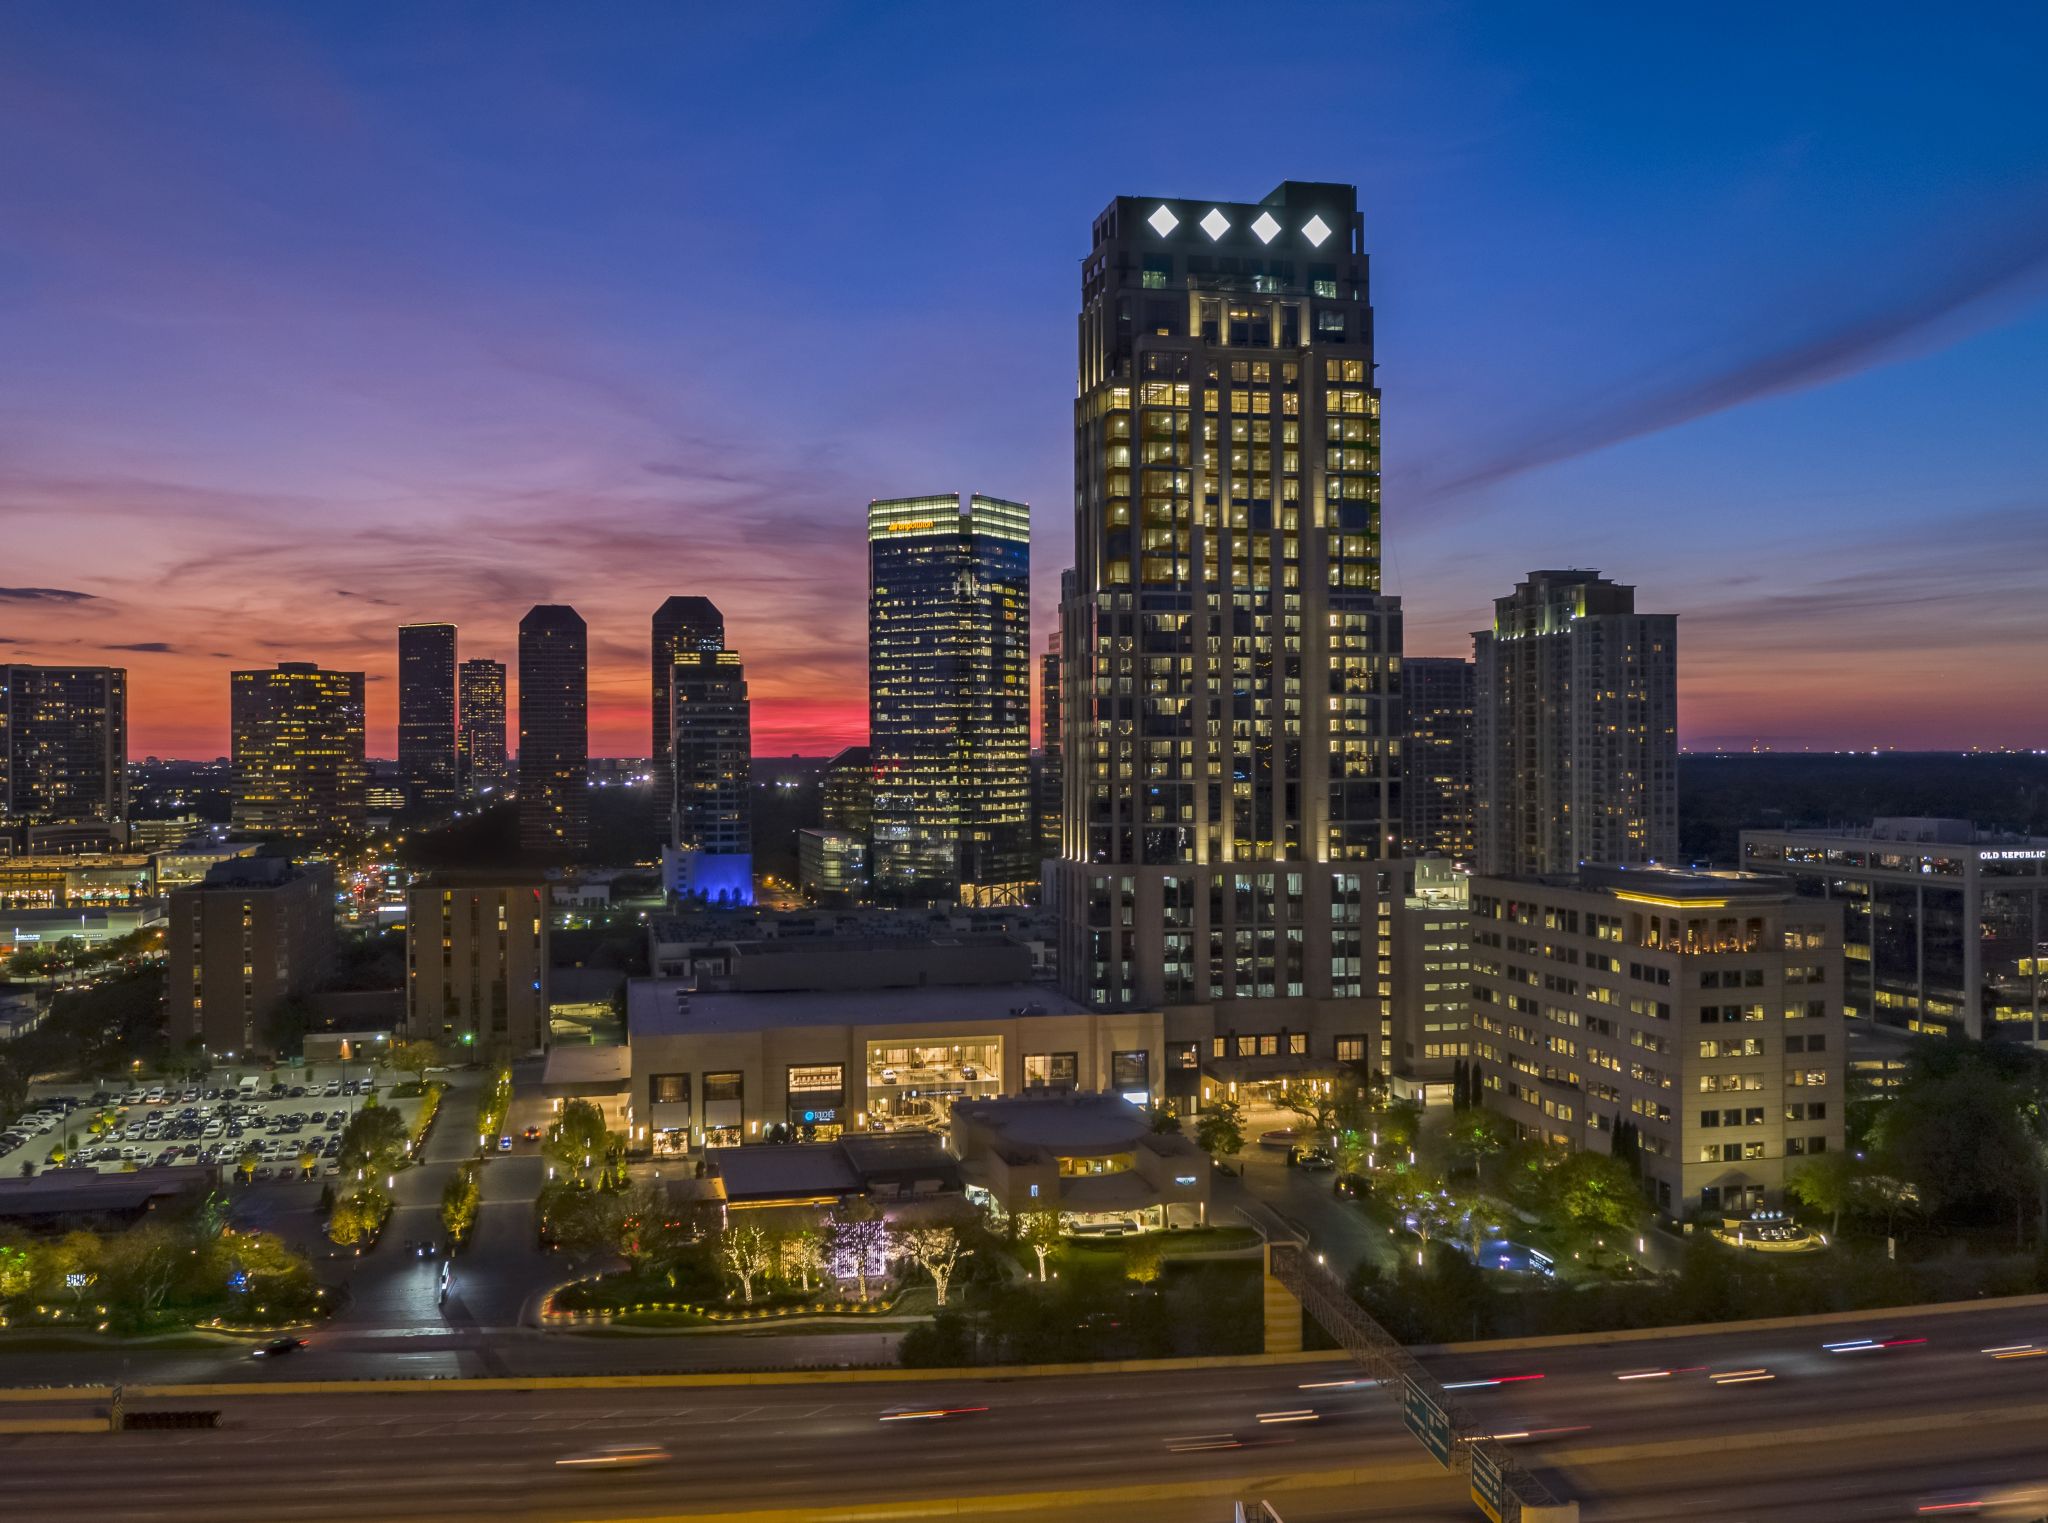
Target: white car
888	1076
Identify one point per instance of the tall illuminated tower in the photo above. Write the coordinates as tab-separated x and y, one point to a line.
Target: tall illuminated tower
298	751
711	855
682	625
426	714
554	733
949	699
1575	722
480	727
63	758
1232	703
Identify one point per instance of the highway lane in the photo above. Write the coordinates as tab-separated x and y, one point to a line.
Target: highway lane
460	1454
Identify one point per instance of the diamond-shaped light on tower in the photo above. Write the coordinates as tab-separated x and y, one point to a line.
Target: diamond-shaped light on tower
1163	221
1265	227
1215	224
1315	230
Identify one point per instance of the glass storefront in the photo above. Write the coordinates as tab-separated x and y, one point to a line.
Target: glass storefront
817	1101
916	1083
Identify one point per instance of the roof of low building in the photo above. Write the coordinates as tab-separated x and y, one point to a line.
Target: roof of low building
668	1007
1067	1122
66	1192
584	1066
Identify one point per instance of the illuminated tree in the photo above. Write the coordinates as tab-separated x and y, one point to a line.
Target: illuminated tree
801	1257
860	1244
935	1250
1040	1229
745	1254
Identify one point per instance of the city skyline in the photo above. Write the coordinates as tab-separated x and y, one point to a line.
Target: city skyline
353	347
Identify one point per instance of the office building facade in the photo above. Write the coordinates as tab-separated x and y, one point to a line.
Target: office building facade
949	699
427	715
253	933
832	866
1945	926
476	961
1437	759
480	728
1048	792
848	792
1575	699
554	734
1705	1008
63	758
681	626
1432	956
710	760
298	752
1231	670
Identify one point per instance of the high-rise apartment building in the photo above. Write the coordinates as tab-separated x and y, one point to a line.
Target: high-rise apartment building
253	933
298	751
1436	758
711	848
476	960
426	714
63	758
1231	703
554	733
480	728
1705	1008
1575	727
681	626
949	699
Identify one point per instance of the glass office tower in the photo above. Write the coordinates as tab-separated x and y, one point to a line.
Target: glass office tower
949	699
426	714
554	733
298	751
480	732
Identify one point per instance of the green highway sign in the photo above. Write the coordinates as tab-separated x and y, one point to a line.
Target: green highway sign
1427	1421
1488	1489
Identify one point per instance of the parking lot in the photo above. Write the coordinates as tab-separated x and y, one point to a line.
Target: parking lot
287	1119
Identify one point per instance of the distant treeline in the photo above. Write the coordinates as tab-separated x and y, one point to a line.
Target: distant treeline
1721	795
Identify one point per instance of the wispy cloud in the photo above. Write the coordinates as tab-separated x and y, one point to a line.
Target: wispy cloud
1824	333
42	595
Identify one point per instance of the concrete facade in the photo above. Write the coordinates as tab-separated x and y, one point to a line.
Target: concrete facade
1706	1008
254	933
477	960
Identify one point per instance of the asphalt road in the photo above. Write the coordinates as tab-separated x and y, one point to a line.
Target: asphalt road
1891	1427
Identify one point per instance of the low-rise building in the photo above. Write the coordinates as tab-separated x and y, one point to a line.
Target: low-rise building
832	866
1705	1008
253	933
719	1070
476	960
1093	1158
1944	925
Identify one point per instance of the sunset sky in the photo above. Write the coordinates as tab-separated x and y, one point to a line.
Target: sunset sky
317	319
